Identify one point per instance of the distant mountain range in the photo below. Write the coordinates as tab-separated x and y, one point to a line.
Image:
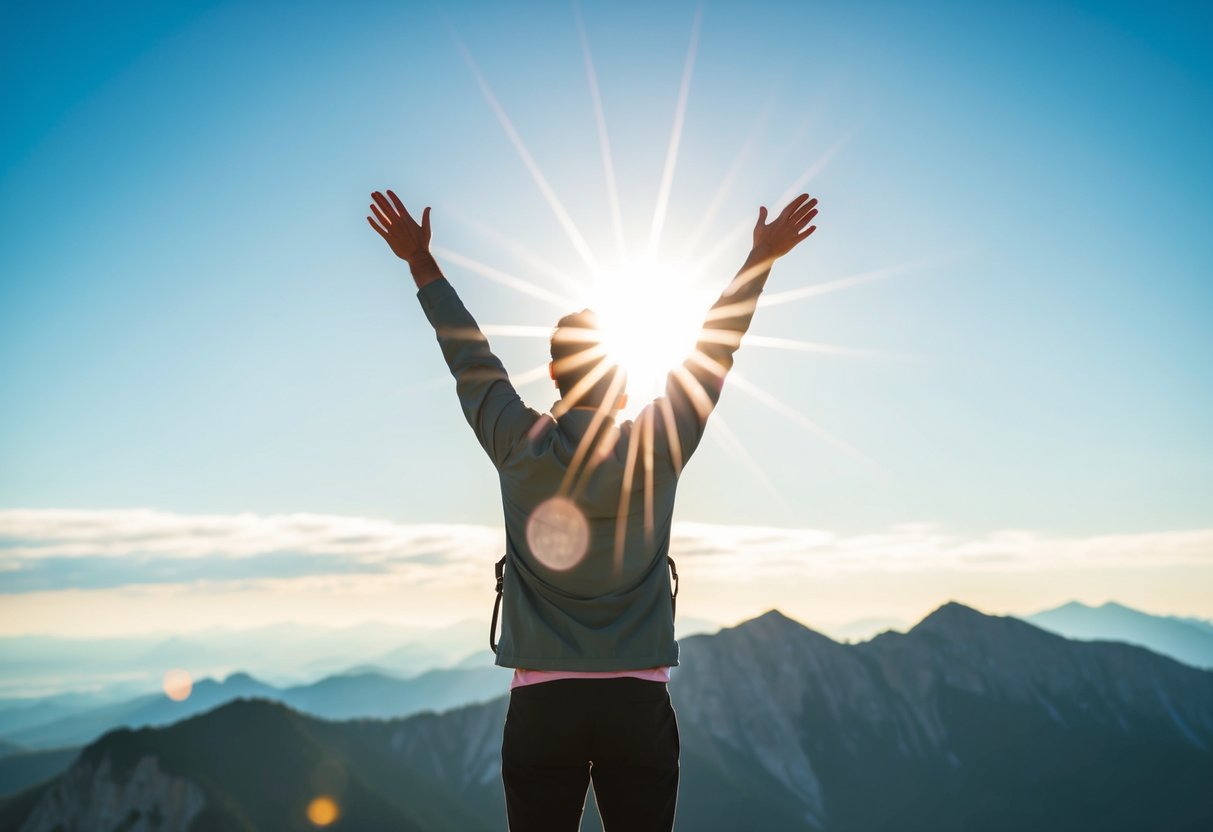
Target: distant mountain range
39	670
966	722
370	693
285	654
1190	640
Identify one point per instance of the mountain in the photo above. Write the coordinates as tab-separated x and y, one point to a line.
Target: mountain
149	709
38	666
863	629
376	695
365	694
1199	623
253	764
967	721
20	770
1190	640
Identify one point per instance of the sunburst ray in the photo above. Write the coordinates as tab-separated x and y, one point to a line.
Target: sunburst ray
671	429
647	450
600	413
604	141
541	182
817	166
671	157
530	376
578	391
776	298
732	338
731	237
625	502
525	287
726	183
799	418
728	439
563	276
516	331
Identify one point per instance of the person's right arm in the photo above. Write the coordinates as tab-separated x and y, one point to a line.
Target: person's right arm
490	403
693	388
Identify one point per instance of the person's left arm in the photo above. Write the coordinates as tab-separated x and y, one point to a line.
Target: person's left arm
490	402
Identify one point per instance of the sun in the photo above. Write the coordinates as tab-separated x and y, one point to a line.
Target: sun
650	313
651	310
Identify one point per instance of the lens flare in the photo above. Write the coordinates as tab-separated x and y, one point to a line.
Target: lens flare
323	811
178	685
558	533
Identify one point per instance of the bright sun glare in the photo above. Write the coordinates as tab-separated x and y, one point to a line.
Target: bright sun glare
650	313
650	310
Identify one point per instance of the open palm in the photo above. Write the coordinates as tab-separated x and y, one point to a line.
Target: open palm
407	239
787	230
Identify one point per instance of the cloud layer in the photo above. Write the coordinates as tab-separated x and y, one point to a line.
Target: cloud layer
56	549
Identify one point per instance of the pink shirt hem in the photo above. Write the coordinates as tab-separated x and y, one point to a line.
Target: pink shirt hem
523	676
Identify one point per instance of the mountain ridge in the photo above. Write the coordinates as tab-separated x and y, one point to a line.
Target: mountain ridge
960	723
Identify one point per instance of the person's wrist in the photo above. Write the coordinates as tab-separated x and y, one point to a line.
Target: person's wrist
762	251
421	260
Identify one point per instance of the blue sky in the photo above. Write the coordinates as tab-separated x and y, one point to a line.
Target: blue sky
195	318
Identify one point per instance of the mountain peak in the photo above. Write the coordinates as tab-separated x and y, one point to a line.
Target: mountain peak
240	677
773	623
773	615
1072	605
951	616
774	619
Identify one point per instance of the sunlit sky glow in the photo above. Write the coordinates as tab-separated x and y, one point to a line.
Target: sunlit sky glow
999	331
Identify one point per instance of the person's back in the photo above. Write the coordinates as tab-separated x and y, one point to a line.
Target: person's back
588	509
591	560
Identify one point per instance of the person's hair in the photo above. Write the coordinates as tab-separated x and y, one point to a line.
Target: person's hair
577	352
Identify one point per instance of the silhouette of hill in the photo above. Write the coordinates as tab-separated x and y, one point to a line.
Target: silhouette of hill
967	721
343	696
1188	640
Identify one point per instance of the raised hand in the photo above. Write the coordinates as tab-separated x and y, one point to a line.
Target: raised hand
409	241
787	230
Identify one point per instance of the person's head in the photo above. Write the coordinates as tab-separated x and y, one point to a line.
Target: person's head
577	352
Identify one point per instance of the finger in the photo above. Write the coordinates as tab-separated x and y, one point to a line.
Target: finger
400	209
762	215
379	215
425	220
382	233
793	205
388	210
804	234
804	210
805	220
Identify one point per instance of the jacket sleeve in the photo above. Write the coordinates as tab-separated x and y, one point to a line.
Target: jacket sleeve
490	403
693	388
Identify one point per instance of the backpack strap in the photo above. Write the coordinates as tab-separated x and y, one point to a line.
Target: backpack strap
674	594
499	569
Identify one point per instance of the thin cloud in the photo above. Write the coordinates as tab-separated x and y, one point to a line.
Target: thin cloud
54	549
78	549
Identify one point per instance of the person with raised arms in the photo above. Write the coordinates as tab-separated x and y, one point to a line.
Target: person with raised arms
586	600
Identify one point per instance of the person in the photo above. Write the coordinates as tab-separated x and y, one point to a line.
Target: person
587	609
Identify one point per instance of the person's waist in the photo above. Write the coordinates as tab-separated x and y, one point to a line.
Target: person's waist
524	676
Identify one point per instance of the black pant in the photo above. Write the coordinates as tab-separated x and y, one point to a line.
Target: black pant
622	733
